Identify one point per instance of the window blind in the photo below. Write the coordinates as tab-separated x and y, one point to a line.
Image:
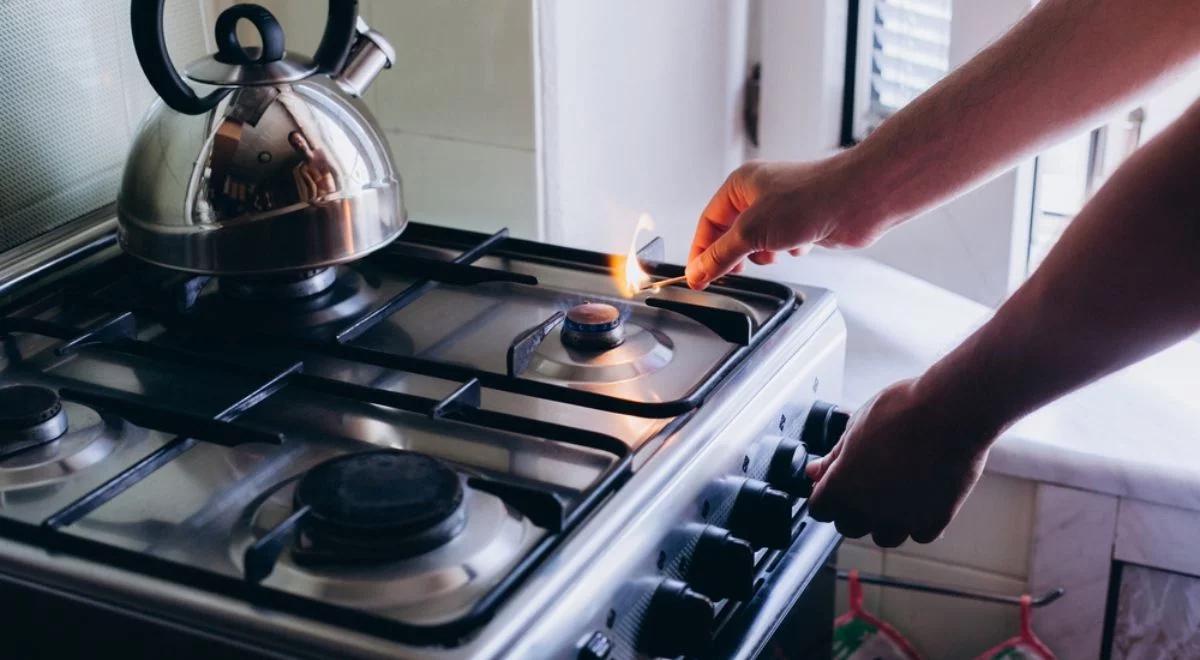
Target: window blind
910	51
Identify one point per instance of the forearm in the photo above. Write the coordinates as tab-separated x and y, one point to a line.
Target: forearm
1062	67
1123	282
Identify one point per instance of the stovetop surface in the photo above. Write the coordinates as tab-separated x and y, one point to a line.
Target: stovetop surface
192	414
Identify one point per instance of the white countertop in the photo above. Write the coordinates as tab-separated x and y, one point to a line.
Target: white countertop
1134	434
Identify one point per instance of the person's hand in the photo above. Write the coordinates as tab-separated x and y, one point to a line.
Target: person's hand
765	207
903	468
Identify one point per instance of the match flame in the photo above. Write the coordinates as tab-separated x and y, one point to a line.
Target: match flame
627	273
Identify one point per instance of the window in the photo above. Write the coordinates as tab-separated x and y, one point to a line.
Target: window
1068	174
897	50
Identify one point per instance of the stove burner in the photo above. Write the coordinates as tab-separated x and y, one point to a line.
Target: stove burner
593	327
378	505
291	285
30	415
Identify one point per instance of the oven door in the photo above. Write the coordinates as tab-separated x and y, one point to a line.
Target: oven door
791	614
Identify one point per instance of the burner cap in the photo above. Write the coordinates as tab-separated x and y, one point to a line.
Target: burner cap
593	326
391	502
30	415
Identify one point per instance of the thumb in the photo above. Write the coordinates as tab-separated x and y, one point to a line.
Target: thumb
819	467
819	505
720	258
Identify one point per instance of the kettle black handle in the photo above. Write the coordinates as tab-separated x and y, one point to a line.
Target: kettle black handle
340	34
146	20
229	49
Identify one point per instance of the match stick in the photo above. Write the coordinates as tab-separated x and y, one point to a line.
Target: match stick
667	282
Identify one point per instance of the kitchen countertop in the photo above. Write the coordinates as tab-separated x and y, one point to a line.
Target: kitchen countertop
1133	434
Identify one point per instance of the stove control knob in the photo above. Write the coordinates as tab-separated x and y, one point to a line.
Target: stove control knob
823	427
678	622
722	565
762	515
786	470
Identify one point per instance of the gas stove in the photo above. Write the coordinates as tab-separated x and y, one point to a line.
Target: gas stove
463	445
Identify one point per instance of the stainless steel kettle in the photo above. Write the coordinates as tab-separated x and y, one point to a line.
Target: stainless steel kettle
280	168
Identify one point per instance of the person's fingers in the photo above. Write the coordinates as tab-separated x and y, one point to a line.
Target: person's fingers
817	467
716	219
931	529
889	537
823	505
720	258
801	250
739	268
852	527
763	258
926	535
707	233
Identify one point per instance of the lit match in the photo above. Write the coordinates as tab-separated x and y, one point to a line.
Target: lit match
654	286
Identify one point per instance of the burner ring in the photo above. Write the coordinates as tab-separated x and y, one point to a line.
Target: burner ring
291	285
30	415
380	504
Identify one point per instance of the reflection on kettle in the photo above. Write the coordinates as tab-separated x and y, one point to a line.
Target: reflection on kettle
281	168
314	176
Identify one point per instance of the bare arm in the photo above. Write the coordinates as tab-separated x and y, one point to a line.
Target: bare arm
1123	282
1061	68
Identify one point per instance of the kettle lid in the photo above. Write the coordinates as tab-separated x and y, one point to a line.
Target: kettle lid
236	65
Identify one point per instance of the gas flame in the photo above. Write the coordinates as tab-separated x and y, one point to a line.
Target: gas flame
627	273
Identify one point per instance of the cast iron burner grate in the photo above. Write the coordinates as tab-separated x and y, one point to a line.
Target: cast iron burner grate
170	303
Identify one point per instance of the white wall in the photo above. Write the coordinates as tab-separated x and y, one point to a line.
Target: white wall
639	111
457	106
802	46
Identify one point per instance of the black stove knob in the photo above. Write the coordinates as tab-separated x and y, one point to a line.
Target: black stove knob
786	470
678	622
823	427
762	515
722	565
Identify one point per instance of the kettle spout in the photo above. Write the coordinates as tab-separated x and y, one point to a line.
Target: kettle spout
371	54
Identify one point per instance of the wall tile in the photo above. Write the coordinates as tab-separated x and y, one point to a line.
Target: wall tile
1072	548
457	105
1160	536
1158	616
463	69
992	531
467	185
867	560
71	95
942	626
